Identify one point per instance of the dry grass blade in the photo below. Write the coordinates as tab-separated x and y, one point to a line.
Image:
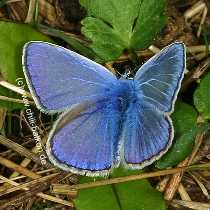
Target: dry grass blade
5	98
18	168
19	149
203	18
25	185
31	11
201	185
197	49
62	189
192	205
183	193
22	176
3	113
195	9
22	197
175	180
15	88
48	12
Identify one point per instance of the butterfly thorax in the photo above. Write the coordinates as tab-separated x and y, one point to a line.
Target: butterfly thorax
126	94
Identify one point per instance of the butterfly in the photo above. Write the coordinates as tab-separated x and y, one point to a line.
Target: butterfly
105	121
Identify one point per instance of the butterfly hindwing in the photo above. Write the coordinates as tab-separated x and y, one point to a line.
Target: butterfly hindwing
59	78
147	135
86	143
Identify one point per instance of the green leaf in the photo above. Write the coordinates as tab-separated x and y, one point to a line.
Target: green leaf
149	23
12	38
116	25
184	121
180	150
138	195
72	40
184	118
100	198
202	97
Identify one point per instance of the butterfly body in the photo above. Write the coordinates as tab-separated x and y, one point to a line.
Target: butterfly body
106	121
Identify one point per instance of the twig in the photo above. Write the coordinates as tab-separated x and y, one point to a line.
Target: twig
25	162
199	71
198	142
61	189
175	180
133	177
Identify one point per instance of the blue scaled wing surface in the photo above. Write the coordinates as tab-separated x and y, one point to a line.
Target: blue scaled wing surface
148	131
84	140
59	78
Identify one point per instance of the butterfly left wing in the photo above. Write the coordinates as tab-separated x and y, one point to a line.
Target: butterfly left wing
84	139
147	135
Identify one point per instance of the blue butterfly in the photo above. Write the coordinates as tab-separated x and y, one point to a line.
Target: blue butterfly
106	121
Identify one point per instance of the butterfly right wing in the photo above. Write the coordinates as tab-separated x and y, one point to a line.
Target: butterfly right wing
148	130
58	77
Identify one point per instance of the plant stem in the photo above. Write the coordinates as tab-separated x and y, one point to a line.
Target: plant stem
137	177
134	57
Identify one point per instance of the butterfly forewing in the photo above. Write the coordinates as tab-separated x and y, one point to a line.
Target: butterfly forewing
59	78
158	80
